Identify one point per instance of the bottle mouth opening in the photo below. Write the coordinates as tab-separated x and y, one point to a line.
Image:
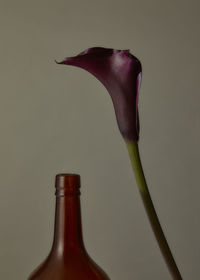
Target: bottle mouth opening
67	183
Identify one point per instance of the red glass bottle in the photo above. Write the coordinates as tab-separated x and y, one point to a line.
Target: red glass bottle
68	259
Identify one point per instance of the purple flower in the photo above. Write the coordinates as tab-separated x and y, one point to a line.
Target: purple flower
120	72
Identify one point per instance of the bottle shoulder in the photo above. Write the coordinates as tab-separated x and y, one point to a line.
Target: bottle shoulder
72	266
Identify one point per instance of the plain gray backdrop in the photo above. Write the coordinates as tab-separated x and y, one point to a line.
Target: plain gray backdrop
56	119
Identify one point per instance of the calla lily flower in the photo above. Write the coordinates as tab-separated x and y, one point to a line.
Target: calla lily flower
120	72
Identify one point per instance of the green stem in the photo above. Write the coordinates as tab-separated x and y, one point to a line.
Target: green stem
148	204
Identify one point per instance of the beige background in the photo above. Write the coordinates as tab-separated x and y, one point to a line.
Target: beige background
57	119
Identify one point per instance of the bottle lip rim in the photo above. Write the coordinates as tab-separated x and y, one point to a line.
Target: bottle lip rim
67	174
67	182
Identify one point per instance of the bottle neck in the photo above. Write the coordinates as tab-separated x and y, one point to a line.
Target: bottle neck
68	229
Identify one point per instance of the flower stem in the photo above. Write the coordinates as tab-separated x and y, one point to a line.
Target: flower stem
148	204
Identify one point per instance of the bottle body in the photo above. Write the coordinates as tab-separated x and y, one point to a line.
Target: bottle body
68	259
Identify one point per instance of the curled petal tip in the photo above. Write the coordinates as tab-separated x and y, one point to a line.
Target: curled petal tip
61	62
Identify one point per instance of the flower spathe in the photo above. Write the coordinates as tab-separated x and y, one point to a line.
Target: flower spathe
120	73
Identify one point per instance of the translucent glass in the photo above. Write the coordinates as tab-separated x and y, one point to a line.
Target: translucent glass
68	259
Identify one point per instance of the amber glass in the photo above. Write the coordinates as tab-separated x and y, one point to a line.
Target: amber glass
68	259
